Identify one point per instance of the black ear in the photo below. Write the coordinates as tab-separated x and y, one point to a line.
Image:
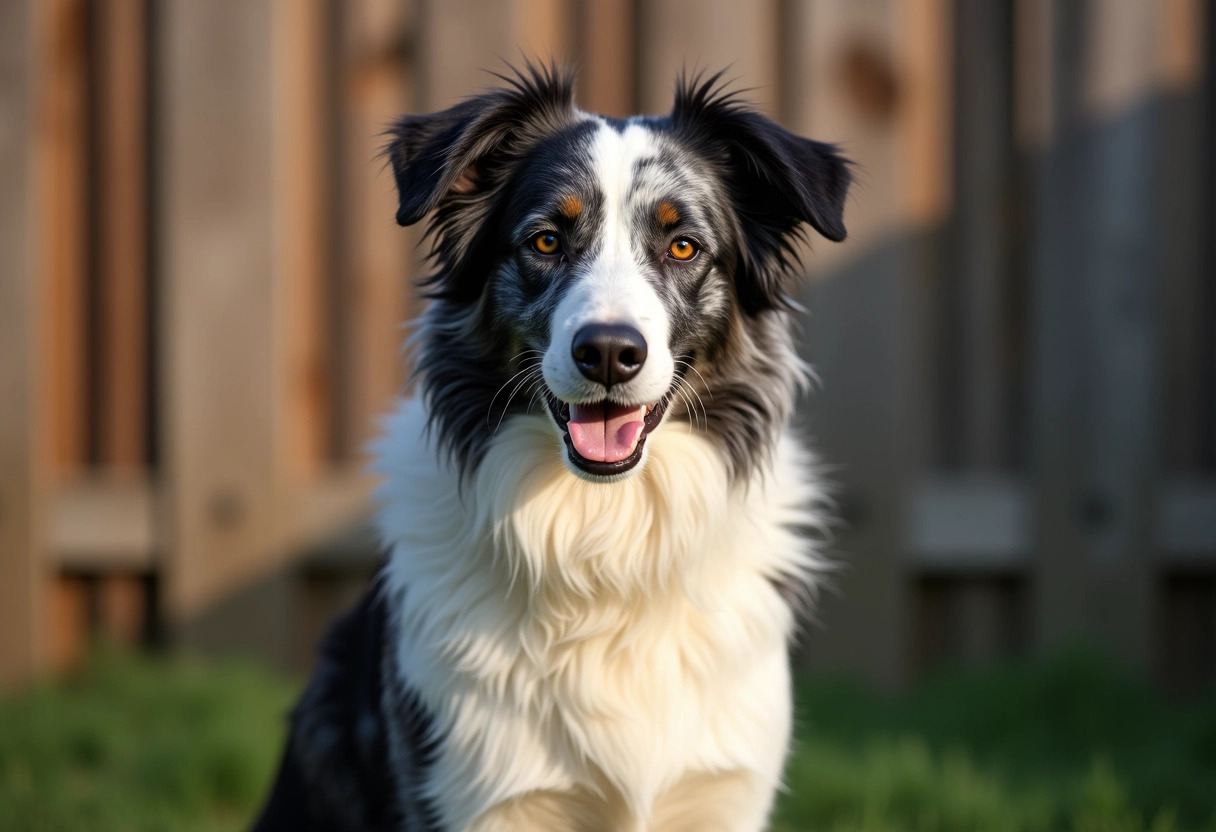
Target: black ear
776	181
454	162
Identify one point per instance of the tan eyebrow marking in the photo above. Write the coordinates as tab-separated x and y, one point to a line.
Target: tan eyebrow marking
667	214
570	206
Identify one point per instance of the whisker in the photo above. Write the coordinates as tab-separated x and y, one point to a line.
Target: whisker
526	380
698	372
692	411
523	353
536	389
691	391
527	369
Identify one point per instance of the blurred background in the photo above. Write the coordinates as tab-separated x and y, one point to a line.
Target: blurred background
201	297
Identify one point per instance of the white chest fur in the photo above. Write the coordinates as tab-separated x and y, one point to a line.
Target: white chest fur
596	643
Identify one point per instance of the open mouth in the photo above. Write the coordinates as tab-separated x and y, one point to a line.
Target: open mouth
605	438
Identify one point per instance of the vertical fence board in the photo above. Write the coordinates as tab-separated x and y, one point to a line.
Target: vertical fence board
62	209
608	57
867	349
983	152
375	254
453	57
541	30
1185	277
121	226
1057	407
684	35
217	310
23	574
301	235
1123	303
1095	314
1207	375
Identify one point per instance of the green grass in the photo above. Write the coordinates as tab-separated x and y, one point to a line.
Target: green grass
1071	745
141	744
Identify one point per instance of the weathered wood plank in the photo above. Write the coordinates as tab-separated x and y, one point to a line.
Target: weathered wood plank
23	573
375	255
1096	391
869	351
217	310
302	229
973	523
983	253
67	622
923	55
61	227
122	610
1186	279
607	50
103	524
684	35
121	225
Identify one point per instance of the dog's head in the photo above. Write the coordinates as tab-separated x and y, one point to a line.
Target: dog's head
610	275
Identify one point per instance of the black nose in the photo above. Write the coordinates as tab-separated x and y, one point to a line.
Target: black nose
609	353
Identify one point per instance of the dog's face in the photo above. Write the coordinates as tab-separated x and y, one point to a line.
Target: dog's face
610	275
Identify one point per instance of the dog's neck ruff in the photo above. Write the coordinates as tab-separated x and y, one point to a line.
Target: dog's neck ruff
532	605
524	514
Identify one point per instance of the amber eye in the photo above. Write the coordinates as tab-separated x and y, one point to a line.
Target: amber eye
682	249
547	243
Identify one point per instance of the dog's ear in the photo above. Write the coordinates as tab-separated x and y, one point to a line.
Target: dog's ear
457	161
775	179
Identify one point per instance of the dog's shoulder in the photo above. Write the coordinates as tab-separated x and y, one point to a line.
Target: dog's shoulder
337	773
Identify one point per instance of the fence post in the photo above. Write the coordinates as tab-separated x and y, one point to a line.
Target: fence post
24	575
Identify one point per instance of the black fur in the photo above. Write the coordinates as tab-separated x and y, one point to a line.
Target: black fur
776	180
338	774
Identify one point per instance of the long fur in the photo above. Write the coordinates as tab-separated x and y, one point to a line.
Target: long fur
546	647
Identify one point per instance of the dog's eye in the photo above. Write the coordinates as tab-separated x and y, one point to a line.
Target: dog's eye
682	249
547	243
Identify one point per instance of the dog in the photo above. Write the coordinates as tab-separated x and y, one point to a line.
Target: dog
595	512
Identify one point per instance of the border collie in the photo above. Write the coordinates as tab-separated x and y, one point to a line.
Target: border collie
595	513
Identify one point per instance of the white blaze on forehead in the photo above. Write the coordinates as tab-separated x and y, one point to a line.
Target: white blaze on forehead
613	287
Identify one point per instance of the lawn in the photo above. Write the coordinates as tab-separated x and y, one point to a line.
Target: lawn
1070	745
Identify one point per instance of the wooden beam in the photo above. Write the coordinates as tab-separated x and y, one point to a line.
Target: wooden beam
1186	522
973	523
121	225
103	524
23	575
106	525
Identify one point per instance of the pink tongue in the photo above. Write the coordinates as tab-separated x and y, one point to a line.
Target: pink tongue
605	432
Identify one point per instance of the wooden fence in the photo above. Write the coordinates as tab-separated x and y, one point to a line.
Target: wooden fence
202	289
